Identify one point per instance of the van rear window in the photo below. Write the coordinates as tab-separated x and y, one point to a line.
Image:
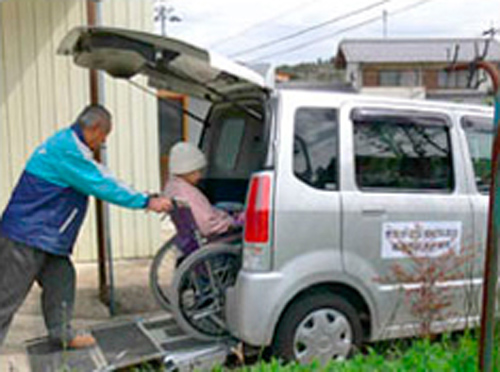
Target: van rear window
403	154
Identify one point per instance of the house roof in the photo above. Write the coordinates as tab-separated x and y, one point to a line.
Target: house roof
413	50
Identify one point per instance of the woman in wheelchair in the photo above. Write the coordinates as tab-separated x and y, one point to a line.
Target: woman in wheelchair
207	239
186	162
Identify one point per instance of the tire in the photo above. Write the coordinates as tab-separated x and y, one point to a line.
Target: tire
198	290
161	275
320	326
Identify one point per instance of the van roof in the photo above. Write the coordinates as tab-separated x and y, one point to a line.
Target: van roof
421	103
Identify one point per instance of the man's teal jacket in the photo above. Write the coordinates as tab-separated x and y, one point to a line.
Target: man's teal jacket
49	203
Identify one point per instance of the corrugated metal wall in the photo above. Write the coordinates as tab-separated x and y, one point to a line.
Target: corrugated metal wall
41	92
133	147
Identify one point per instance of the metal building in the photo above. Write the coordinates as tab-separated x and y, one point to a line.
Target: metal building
41	92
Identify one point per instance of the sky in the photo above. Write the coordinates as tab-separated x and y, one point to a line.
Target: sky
294	31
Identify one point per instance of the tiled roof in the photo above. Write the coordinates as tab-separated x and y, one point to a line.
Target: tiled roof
415	50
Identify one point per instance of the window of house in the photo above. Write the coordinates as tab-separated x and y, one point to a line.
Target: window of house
315	147
403	153
479	134
453	79
399	78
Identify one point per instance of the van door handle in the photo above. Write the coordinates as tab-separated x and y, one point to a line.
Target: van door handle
373	212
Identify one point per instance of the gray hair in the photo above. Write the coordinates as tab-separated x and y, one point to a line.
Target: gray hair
91	114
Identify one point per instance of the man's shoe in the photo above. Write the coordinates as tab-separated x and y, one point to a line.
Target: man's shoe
81	342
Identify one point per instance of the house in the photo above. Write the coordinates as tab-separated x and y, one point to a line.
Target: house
41	92
416	67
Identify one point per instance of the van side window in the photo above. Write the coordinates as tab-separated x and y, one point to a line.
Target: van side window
402	153
479	134
315	147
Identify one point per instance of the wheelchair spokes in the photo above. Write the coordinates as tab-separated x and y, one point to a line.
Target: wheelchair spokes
200	290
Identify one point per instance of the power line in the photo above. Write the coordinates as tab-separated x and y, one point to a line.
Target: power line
309	29
224	40
314	41
341	31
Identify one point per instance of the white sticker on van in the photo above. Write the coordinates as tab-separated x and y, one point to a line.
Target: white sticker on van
420	239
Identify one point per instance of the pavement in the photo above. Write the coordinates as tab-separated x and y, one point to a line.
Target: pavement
133	298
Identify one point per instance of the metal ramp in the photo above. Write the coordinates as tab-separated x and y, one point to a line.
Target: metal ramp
125	344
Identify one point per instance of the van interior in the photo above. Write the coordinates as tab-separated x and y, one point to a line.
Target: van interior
235	143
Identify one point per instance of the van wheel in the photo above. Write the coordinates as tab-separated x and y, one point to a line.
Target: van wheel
321	326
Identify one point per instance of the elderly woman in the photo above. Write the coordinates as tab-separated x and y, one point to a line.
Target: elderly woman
185	165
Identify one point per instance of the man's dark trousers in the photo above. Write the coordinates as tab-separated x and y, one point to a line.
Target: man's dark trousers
20	266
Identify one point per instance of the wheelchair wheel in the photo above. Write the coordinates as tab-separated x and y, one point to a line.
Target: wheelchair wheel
199	288
162	272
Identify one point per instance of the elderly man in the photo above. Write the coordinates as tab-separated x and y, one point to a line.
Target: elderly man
41	222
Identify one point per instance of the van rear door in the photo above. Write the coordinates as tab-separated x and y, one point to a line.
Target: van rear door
168	63
236	141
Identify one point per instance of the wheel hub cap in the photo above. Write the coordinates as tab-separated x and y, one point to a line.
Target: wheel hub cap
324	334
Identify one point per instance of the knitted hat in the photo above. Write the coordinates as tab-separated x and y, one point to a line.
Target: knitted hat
185	158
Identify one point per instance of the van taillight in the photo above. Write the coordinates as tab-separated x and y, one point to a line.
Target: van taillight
258	210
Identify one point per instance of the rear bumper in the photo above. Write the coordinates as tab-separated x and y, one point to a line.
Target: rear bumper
251	307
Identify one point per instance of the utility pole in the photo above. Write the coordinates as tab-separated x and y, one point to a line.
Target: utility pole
491	32
384	20
164	14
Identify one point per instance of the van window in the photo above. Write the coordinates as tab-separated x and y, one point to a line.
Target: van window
315	147
479	134
235	144
229	143
403	153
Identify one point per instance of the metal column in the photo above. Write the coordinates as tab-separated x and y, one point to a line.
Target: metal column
105	260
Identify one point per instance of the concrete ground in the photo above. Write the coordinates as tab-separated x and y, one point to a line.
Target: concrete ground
133	299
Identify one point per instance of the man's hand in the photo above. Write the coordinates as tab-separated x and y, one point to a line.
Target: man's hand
159	204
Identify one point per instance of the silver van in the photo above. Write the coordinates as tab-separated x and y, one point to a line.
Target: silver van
339	190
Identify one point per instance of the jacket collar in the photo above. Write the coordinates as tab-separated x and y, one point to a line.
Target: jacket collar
79	133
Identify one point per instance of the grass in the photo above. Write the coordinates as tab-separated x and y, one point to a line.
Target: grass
421	355
450	354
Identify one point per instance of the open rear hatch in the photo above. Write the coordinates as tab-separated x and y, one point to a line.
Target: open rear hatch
167	63
186	69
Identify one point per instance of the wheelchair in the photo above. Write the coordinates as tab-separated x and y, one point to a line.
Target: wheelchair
204	269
